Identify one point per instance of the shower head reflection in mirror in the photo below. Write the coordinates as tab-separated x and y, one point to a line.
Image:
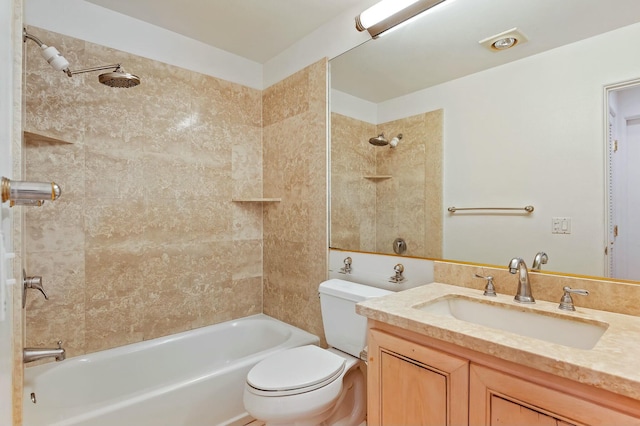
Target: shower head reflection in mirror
381	140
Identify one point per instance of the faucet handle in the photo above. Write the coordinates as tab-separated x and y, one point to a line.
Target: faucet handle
566	302
31	282
489	289
398	269
346	269
540	259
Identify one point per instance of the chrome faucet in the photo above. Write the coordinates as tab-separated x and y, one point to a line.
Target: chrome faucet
346	269
34	354
540	259
398	277
523	295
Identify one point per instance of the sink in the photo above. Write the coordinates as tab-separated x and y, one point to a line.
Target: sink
563	330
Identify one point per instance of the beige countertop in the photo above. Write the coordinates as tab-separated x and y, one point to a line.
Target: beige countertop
611	364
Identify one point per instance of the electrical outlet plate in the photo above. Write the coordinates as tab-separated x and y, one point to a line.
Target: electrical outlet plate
561	225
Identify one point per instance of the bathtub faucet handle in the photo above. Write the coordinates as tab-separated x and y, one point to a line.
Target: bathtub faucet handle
31	282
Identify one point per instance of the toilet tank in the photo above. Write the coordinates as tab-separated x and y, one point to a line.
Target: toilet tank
344	329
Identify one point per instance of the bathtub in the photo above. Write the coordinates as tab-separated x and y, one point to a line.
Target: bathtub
195	378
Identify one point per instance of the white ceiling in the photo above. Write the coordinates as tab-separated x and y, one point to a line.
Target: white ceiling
440	46
254	29
444	44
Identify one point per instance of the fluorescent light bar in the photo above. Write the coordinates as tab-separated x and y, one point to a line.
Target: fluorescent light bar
387	14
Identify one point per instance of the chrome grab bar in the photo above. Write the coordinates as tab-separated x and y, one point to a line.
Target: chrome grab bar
528	209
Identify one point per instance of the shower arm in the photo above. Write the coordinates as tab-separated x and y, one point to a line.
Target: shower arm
26	35
115	68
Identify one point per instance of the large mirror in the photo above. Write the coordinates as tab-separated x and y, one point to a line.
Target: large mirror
527	126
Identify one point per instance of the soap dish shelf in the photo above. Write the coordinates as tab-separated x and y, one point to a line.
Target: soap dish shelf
257	200
377	177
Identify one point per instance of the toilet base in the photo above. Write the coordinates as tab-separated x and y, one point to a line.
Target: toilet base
347	408
350	409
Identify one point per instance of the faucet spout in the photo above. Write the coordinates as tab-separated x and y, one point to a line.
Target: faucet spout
34	354
523	294
540	259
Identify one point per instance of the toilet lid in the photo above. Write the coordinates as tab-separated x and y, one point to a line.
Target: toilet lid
299	369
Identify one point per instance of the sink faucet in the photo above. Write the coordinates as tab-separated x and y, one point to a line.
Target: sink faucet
540	259
523	295
398	277
34	354
346	269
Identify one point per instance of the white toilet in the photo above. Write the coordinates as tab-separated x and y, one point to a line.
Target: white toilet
308	385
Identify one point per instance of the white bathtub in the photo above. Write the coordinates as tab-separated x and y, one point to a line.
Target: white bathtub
195	378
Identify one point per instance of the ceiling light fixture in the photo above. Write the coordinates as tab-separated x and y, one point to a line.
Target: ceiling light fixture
505	40
388	14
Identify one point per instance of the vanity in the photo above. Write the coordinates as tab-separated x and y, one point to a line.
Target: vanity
446	355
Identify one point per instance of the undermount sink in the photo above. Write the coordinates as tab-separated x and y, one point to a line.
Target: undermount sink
563	330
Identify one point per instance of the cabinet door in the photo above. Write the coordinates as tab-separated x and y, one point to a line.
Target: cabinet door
509	413
497	398
410	384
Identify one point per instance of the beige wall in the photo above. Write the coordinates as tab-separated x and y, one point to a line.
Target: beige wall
145	240
407	205
295	169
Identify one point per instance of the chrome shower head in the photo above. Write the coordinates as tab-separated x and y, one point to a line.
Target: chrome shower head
119	78
379	140
115	78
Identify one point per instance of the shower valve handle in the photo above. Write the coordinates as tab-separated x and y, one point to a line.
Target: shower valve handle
34	283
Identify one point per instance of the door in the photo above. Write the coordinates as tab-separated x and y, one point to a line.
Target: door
623	193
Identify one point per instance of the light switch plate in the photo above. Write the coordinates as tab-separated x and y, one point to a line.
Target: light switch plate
561	225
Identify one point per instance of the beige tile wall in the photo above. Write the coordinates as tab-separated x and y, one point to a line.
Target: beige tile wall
410	203
145	240
353	222
295	169
17	214
369	214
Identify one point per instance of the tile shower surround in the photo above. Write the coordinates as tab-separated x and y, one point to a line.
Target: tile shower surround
408	205
145	240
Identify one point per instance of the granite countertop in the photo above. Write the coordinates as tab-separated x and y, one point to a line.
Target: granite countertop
609	365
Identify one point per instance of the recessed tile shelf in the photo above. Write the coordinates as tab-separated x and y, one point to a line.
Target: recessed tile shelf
257	200
378	177
35	138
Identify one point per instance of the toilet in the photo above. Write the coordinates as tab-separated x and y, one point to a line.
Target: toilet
308	385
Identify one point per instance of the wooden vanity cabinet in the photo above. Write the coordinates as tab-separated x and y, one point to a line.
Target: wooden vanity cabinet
415	380
414	385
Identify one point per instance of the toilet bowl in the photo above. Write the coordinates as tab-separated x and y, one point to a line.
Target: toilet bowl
311	386
315	383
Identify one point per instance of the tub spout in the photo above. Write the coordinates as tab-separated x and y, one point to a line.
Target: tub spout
34	354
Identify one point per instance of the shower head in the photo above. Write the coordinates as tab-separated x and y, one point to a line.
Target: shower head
119	78
379	140
116	78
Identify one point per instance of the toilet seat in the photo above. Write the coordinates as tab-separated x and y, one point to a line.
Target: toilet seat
305	369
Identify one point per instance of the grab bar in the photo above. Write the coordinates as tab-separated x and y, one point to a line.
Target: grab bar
528	209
